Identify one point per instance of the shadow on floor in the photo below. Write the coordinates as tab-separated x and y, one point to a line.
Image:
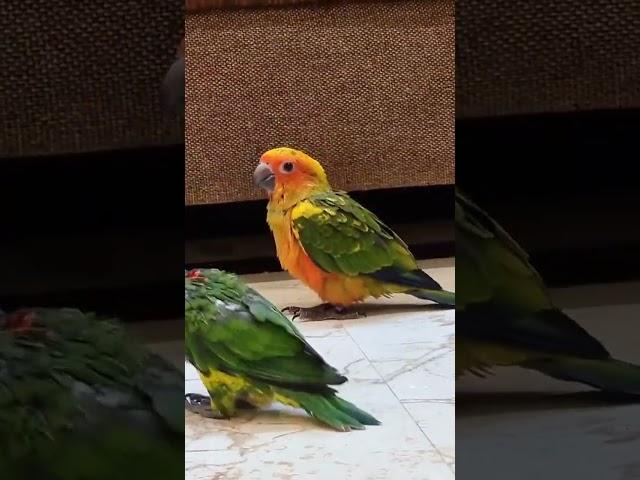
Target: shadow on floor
482	404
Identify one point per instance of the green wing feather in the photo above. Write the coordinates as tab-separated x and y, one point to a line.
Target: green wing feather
347	238
501	297
490	264
232	328
341	236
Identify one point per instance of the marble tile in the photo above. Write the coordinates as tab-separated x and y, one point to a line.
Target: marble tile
327	328
413	352
194	386
587	443
403	335
271	445
281	442
385	356
430	377
190	373
437	421
536	425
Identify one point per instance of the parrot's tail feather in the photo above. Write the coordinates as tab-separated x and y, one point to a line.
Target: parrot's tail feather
609	375
419	283
418	279
332	410
439	296
360	415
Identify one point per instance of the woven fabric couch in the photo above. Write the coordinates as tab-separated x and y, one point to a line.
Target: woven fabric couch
365	87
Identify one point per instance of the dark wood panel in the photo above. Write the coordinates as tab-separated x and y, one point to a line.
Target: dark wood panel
236	236
564	185
101	231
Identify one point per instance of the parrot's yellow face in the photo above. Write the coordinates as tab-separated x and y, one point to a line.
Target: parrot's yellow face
288	170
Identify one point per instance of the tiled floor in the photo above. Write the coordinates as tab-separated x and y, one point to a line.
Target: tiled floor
542	428
535	426
399	361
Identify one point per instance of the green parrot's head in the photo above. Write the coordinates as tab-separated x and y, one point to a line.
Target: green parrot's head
209	275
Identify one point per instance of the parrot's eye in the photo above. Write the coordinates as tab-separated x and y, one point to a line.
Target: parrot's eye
287	167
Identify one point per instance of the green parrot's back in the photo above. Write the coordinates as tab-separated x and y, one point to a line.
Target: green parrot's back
343	238
246	349
490	264
79	400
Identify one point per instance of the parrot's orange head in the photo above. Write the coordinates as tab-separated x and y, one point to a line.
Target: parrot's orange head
289	170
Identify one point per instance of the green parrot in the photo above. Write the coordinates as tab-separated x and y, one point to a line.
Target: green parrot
505	316
80	401
247	351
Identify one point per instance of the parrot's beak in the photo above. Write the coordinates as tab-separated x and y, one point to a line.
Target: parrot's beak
263	177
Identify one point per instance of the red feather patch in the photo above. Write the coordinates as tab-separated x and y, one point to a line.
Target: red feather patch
194	274
20	321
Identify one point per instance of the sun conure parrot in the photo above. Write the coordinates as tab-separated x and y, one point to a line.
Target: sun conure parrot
79	400
247	351
505	317
333	244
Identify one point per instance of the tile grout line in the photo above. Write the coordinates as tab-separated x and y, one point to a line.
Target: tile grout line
450	401
442	457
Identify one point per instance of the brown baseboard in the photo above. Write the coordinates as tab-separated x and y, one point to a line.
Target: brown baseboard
563	185
236	237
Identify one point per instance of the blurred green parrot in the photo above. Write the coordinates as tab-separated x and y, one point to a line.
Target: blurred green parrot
505	317
80	401
247	351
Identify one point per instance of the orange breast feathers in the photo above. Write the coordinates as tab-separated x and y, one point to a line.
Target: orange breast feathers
333	288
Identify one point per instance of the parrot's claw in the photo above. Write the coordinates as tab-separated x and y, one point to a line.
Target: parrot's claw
201	405
245	405
325	311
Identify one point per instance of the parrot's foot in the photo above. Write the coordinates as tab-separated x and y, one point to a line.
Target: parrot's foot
325	311
201	405
245	405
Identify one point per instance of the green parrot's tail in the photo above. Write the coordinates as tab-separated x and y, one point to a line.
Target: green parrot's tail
439	296
331	410
609	375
